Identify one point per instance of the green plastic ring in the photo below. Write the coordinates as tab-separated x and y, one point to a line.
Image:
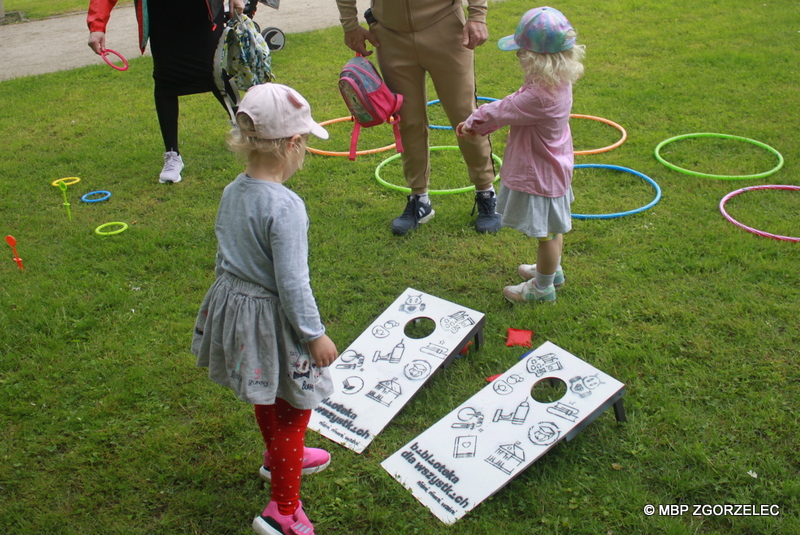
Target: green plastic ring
404	189
722	177
99	230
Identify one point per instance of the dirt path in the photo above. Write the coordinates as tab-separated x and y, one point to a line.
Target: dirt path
59	43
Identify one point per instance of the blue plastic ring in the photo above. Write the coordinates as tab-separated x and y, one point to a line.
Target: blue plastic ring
440	127
624	170
86	198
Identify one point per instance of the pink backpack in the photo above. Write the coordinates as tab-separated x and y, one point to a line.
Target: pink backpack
369	99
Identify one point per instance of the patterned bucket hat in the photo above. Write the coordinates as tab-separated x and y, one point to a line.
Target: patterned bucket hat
543	30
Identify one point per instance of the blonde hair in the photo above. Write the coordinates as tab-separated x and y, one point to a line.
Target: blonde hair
551	70
242	139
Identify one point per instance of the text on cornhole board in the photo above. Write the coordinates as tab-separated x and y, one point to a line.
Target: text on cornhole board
492	437
384	367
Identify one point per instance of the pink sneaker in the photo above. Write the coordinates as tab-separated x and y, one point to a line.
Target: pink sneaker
314	460
272	522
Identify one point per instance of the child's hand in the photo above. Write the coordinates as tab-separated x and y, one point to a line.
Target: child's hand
464	132
323	351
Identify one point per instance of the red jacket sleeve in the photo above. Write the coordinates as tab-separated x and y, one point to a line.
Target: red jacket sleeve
99	13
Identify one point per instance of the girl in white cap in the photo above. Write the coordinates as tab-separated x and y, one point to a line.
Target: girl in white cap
259	330
536	175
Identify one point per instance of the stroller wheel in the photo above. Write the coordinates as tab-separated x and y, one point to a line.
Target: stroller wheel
274	37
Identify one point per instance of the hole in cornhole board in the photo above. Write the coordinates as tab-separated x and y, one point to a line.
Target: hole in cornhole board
419	328
549	390
384	367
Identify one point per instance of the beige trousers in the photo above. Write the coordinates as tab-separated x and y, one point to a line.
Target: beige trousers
404	58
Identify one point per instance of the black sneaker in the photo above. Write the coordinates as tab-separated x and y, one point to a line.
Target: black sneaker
416	212
489	221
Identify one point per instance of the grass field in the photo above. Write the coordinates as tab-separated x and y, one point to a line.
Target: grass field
40	9
107	426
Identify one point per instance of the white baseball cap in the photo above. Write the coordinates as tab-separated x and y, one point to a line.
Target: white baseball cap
278	112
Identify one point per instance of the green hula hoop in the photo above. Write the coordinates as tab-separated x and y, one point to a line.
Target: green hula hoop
722	177
99	230
406	190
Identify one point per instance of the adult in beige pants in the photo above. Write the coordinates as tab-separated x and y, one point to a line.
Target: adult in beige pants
433	37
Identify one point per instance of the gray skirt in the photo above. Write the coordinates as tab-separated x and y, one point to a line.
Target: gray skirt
534	215
243	337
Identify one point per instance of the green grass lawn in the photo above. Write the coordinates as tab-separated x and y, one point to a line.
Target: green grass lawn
40	9
107	427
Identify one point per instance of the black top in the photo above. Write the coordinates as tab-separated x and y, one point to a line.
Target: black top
183	38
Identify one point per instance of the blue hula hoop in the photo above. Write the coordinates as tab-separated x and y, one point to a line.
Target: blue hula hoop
86	198
442	127
624	170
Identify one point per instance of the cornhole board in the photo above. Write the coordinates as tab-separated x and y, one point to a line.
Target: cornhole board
383	368
492	437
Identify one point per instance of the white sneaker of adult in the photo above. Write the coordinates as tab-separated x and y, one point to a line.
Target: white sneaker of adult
173	165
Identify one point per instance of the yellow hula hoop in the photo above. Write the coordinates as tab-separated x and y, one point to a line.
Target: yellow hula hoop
605	121
334	153
67	181
102	232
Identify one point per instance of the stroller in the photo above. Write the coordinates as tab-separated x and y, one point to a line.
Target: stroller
274	37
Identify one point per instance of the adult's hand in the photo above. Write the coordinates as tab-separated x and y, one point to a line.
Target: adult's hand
475	34
237	6
356	40
97	41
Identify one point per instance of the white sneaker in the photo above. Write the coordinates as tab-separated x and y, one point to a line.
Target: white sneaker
528	292
528	272
173	165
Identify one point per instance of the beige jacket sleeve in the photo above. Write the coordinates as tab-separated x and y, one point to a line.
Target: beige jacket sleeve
476	10
348	14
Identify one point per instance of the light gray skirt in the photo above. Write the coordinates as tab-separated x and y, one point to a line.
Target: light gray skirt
243	337
534	215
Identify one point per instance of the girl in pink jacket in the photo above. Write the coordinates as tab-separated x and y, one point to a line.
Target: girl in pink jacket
536	175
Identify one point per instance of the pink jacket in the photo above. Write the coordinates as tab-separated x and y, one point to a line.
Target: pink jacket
539	156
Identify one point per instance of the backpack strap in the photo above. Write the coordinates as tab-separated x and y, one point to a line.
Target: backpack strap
394	120
354	139
225	84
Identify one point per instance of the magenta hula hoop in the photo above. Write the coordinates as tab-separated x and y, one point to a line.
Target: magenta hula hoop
757	232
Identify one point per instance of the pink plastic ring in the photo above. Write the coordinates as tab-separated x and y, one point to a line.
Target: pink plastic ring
104	54
752	230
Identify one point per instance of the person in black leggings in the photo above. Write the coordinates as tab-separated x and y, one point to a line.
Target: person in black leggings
183	36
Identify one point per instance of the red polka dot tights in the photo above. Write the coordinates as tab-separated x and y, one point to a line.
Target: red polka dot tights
283	428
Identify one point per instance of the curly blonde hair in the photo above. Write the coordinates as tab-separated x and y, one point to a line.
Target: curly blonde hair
551	70
242	139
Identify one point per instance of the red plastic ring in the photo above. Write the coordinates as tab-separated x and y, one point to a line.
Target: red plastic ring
104	54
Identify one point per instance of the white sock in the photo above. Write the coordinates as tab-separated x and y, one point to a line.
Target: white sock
490	188
543	281
424	198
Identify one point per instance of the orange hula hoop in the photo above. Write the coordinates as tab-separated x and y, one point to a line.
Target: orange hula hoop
606	121
334	153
